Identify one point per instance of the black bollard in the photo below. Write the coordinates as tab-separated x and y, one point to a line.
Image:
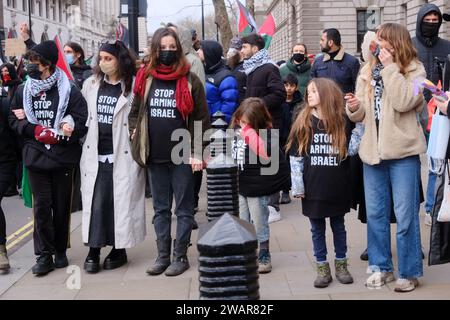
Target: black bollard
217	115
228	265
221	174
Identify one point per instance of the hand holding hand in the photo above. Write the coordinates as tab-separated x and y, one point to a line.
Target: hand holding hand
197	165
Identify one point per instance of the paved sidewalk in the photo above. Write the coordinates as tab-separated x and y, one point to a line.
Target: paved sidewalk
292	276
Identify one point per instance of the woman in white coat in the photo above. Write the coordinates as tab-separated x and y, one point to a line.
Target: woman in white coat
112	183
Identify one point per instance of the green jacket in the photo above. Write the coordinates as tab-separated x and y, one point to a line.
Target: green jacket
301	71
138	119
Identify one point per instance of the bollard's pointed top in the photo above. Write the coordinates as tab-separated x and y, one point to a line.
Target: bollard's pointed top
227	235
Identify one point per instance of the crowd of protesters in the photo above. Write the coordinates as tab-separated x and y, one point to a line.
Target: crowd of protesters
346	133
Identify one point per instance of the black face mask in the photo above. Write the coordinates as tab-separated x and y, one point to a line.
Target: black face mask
33	71
167	57
430	30
298	57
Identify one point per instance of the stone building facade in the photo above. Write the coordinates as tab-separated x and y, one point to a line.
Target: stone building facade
303	20
87	22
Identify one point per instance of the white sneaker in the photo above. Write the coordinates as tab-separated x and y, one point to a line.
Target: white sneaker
428	219
274	215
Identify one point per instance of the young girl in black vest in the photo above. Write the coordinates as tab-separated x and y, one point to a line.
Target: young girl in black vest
319	148
262	170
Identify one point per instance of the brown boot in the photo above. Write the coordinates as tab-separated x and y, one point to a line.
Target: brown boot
342	273
323	275
4	261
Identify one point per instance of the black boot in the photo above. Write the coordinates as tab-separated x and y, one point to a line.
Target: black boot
180	261
115	259
61	260
163	260
92	262
44	264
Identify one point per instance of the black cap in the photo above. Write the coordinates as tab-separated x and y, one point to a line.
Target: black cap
48	50
446	16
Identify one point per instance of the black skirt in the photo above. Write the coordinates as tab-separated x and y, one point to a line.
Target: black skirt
316	209
101	229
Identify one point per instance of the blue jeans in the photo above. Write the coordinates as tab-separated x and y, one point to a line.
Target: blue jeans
256	210
403	178
318	227
429	203
168	181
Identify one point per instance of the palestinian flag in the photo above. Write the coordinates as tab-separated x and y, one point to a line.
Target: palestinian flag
268	29
246	23
62	62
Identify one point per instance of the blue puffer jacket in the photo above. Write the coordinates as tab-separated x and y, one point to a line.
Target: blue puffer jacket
221	86
222	92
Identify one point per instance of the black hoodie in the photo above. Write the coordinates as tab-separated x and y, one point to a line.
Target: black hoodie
80	74
430	50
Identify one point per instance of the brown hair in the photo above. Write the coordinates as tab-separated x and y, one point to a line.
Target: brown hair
181	60
254	109
333	113
399	38
404	50
300	44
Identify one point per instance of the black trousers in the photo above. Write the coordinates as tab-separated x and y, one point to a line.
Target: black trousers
198	177
52	201
7	174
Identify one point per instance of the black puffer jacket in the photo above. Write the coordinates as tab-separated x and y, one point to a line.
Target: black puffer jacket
80	74
8	142
432	51
265	83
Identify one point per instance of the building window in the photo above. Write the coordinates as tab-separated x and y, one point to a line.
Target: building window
60	10
33	4
366	20
24	5
40	8
47	9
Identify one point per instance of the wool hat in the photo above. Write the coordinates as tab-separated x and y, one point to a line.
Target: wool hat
48	50
111	48
236	43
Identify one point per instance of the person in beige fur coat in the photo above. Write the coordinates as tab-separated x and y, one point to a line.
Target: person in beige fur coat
387	103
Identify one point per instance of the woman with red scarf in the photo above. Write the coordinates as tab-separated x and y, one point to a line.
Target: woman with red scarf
168	100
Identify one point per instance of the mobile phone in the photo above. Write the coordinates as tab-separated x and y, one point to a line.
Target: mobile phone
375	49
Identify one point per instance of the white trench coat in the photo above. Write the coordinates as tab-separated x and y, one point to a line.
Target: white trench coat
128	176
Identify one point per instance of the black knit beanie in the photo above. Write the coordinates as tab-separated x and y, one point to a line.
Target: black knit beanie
48	50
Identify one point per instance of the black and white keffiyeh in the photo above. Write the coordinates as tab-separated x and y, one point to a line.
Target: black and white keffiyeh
259	59
34	87
378	89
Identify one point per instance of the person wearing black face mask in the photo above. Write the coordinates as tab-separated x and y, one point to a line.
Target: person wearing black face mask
168	97
49	114
431	50
9	83
299	66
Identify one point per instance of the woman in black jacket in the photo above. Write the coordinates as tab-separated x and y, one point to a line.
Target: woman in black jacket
50	114
8	154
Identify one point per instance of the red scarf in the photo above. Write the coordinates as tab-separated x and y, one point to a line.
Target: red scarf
183	97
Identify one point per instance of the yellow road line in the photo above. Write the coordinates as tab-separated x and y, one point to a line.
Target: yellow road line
19	239
18	232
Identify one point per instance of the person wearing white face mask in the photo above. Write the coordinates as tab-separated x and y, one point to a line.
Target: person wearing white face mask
112	182
75	58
